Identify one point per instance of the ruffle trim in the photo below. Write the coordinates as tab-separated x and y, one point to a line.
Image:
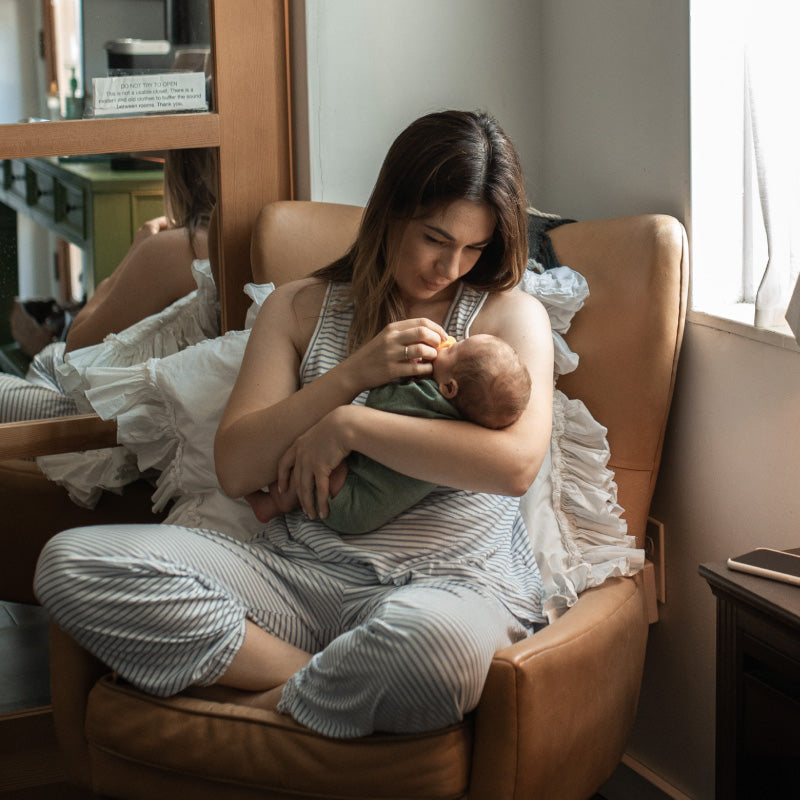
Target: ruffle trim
145	423
258	293
153	427
189	320
593	543
87	475
562	291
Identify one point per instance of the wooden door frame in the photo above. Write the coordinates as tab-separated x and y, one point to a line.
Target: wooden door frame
254	136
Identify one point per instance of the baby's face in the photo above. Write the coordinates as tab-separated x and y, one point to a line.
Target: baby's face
445	359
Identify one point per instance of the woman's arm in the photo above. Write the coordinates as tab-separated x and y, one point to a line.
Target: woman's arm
268	410
155	272
457	454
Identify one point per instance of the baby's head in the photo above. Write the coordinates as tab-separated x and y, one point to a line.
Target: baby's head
485	379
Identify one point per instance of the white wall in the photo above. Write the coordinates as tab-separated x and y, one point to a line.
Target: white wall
20	93
596	96
372	68
729	482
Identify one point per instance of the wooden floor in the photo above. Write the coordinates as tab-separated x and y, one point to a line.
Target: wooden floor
31	766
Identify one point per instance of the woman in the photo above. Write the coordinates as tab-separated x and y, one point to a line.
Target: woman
392	630
155	272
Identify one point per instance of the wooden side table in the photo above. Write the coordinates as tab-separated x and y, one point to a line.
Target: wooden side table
758	685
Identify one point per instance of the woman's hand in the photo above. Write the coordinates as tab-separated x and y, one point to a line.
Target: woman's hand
402	349
307	465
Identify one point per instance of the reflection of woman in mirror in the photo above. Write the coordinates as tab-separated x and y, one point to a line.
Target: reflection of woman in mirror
155	272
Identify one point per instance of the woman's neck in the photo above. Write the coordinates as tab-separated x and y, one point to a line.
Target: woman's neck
434	308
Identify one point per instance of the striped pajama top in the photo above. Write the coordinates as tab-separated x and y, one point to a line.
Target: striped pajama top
474	538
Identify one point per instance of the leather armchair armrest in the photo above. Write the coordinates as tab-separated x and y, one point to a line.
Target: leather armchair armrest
73	673
566	682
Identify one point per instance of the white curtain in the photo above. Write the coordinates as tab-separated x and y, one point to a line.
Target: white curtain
772	158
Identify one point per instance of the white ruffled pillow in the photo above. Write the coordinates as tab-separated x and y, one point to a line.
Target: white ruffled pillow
168	409
189	320
571	510
167	413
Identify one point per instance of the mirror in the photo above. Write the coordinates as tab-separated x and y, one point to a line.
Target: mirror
59	50
67	224
254	140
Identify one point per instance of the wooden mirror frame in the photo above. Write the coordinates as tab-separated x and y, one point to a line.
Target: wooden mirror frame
251	126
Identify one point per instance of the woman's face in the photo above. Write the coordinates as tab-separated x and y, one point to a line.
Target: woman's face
437	249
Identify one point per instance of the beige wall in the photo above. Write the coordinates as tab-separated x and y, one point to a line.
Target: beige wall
729	483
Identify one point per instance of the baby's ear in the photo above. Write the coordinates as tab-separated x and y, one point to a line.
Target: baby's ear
449	388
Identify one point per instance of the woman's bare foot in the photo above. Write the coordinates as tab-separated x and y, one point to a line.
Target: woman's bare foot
267	700
263	662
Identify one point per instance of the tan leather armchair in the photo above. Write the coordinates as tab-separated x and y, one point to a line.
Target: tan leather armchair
556	709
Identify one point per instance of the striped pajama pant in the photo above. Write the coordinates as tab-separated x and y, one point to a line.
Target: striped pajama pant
165	607
39	394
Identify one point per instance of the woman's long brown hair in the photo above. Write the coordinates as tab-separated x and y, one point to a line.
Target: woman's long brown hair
438	159
190	188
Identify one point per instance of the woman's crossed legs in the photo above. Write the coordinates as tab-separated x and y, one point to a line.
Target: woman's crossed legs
169	607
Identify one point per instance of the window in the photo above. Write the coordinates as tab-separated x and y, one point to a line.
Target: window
745	158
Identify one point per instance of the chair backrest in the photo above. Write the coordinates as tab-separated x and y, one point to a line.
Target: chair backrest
627	335
292	238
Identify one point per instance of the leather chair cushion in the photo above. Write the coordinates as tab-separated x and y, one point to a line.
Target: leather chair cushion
132	735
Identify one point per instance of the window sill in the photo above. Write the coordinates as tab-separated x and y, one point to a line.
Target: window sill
738	320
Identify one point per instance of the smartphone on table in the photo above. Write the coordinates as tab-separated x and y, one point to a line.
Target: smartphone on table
780	565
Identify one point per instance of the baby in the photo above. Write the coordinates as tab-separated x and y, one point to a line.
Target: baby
480	379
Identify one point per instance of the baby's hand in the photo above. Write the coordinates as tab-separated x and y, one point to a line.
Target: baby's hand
448	342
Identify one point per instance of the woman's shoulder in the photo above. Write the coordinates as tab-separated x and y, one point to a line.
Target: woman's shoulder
168	249
511	306
298	301
161	264
302	290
